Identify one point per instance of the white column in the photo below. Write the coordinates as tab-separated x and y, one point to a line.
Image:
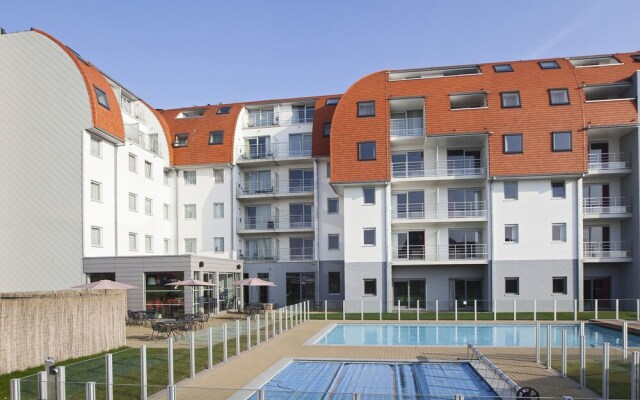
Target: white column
170	360
143	372
108	367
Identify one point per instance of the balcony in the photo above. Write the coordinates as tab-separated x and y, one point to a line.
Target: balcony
403	127
272	151
609	163
148	142
269	255
448	169
440	211
277	188
275	223
607	251
271	118
452	253
606	207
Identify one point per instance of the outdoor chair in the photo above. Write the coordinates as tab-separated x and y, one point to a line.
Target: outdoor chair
159	330
200	320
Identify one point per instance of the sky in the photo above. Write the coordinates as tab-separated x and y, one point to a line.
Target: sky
184	53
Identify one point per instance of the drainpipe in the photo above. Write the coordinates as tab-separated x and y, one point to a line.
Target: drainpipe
232	200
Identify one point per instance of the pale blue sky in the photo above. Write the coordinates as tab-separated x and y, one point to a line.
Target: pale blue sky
181	53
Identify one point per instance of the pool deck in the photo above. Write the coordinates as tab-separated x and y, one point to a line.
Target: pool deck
239	371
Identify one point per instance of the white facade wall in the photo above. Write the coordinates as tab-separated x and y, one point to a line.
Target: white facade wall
357	217
328	223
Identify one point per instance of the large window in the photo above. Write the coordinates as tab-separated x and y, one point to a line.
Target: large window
561	141
370	287
216	137
162	298
366	151
558	190
181	140
300	145
366	109
334	283
369	236
303	114
300	248
558	97
513	143
218	175
190	245
512	285
510	99
218	244
468	100
300	180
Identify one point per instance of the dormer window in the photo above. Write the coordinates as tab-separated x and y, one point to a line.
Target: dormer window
593	61
102	98
636	57
332	101
503	68
468	100
191	113
223	110
181	140
216	137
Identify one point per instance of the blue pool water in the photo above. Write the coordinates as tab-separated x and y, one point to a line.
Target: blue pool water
375	380
461	335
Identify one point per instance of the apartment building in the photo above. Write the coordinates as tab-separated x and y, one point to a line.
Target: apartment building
499	181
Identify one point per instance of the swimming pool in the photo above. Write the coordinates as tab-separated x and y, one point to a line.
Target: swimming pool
461	335
376	380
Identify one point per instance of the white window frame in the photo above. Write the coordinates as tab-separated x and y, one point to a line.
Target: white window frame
562	233
133	163
186	213
364	231
364	196
218	210
148	169
166	245
148	244
190	175
148	206
514	236
218	175
98	242
95	146
193	243
133	241
218	244
515	183
98	186
134	197
165	211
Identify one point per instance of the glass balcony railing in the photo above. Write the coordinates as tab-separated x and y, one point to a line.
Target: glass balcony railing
401	127
451	252
609	161
280	254
273	150
447	168
594	250
606	205
293	186
303	222
468	209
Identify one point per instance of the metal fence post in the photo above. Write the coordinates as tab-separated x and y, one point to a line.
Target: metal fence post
625	340
266	326
90	390
192	354
42	385
596	307
209	347
495	310
279	322
14	389
61	384
455	310
475	310
575	310
237	337
261	394
286	318
564	353
258	329
635	362
417	310
225	354
249	331
617	309
380	311
171	392
170	360
538	342
515	310
361	310
605	370
143	372
535	310
325	310
583	361
548	346
637	309
344	310
437	316
108	367
398	310
555	310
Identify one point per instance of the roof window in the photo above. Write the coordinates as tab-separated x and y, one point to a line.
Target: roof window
223	110
332	101
549	64
593	61
102	98
435	72
503	68
181	140
191	113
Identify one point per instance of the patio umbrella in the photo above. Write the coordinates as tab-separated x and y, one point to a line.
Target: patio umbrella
254	282
190	282
104	284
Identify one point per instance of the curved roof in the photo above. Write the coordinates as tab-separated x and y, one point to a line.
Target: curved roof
323	114
105	119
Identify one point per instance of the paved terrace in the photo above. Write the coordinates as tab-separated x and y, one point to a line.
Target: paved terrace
239	371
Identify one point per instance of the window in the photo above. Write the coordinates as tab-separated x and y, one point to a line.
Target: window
218	244
369	195
369	236
593	61
223	110
512	285
182	139
148	243
435	72
192	113
133	241
366	109
165	211
166	246
511	190
334	283
548	64
561	141
511	233
102	98
328	169
327	129
148	206
303	114
513	143
510	99
148	170
558	97
611	91
332	101
96	147
468	100
333	241
189	177
96	236
558	190
366	151
503	68
218	175
333	205
559	232
190	245
559	285
165	177
189	211
218	210
96	191
133	202
133	163
216	137
370	287
636	57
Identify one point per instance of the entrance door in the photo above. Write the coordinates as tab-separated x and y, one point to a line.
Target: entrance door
465	291
263	294
597	288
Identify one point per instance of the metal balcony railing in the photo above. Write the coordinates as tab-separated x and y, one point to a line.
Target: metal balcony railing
448	168
451	252
276	222
273	150
609	161
264	119
407	127
606	205
293	186
281	254
144	140
468	209
606	249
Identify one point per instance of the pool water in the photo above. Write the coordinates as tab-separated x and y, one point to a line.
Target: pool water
460	335
375	380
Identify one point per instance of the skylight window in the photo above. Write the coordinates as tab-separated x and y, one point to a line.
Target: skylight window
332	101
191	113
223	110
636	57
503	68
102	98
549	64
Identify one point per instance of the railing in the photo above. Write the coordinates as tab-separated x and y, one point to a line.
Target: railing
454	210
451	168
279	254
279	222
606	250
609	161
451	252
407	127
144	140
278	118
292	186
273	150
606	205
